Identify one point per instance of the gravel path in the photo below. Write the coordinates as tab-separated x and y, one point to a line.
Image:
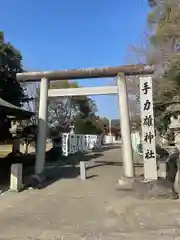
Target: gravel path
92	209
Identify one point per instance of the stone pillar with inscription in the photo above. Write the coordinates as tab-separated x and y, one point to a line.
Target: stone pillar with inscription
147	124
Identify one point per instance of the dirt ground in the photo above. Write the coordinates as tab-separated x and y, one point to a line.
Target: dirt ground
73	209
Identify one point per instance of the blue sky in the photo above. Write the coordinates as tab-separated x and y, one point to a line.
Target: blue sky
60	34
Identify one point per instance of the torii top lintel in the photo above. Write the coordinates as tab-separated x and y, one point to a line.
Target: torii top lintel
128	70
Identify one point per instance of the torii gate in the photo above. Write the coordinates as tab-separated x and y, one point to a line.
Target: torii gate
120	72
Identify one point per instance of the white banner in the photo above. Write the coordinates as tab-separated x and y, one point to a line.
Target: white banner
72	143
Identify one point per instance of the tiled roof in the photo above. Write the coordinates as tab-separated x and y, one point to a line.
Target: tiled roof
14	111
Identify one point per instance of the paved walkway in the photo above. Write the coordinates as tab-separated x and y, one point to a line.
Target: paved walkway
72	209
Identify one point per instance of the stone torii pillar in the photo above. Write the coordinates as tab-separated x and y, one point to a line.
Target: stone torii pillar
42	127
127	152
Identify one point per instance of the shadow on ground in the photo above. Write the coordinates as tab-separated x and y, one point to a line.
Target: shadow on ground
66	169
107	147
63	168
110	163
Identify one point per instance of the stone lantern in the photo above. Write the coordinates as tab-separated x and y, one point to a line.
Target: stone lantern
15	130
173	110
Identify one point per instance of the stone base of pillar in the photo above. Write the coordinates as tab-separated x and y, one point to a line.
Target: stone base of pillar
162	170
177	181
16	178
83	170
35	181
125	183
151	189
